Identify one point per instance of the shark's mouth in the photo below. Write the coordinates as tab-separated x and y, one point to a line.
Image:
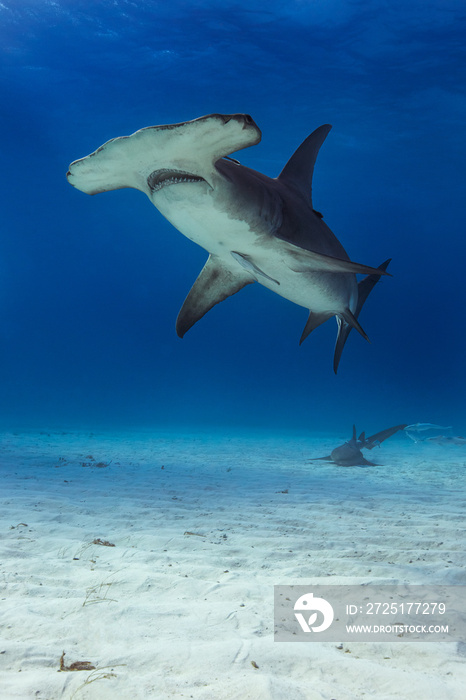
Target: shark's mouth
162	178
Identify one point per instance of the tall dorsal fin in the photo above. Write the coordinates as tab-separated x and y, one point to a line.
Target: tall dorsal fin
299	169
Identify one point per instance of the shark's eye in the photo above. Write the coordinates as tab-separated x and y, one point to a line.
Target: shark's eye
248	119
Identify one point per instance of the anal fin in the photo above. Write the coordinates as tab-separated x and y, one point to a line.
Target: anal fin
216	282
314	320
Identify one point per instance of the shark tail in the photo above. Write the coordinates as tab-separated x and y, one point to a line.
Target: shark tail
379	437
347	320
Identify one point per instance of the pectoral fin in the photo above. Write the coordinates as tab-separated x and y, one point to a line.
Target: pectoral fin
215	283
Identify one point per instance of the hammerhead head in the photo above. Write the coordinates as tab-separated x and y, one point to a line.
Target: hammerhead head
349	454
255	228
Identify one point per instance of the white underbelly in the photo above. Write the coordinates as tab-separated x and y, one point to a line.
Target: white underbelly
220	234
315	290
206	226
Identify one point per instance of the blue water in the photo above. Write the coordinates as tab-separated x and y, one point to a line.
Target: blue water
90	286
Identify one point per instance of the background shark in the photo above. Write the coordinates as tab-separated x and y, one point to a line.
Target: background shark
254	227
349	454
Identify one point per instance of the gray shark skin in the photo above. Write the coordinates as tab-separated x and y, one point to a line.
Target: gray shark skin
255	228
349	454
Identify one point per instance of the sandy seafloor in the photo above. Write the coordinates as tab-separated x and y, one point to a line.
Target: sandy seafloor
166	614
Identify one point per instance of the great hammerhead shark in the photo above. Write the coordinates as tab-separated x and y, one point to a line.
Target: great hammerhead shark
349	454
255	228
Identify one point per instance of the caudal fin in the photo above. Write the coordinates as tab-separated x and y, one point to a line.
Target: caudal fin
347	321
376	439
